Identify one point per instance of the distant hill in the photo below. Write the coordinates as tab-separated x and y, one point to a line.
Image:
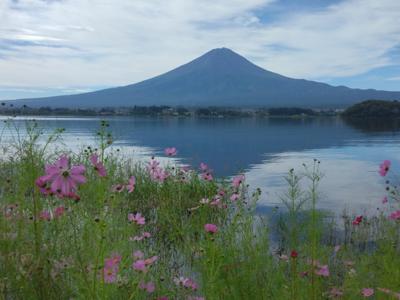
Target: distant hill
374	109
220	77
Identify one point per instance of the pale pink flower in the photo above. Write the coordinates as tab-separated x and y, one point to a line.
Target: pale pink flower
284	257
390	292
148	287
395	215
45	215
211	228
170	151
137	218
385	200
384	167
186	282
114	260
138	254
145	235
337	248
207	176
323	271
234	197
159	175
205	201
335	293
130	187
63	178
149	261
367	292
98	165
110	274
59	211
203	167
238	180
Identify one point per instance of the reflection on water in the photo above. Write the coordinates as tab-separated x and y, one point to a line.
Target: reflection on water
265	149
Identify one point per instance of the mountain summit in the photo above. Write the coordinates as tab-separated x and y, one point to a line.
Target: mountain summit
220	77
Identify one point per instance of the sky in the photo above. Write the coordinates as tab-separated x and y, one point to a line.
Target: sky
56	47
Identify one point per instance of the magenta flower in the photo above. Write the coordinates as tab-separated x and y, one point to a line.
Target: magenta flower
211	228
45	215
384	167
357	220
323	271
137	218
395	215
131	184
59	211
63	178
367	292
148	287
238	180
114	260
98	165
170	151
140	265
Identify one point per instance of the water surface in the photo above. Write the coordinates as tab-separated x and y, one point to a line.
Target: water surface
264	149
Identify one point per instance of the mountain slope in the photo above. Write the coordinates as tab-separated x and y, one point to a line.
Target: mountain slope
220	78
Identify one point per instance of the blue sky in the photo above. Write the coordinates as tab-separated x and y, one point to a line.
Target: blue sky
52	47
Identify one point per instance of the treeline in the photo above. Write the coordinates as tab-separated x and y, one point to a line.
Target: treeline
374	109
206	112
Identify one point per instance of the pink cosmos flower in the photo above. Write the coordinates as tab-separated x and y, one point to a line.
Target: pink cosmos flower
138	254
140	265
367	292
203	167
323	271
131	184
234	197
59	211
211	228
357	220
148	287
110	274
137	218
336	249
186	282
385	200
221	192
98	165
145	235
159	175
111	267
149	261
238	180
335	293
395	215
384	167
117	188
45	215
207	176
170	151
63	178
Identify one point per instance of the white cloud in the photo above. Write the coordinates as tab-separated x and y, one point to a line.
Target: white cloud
103	42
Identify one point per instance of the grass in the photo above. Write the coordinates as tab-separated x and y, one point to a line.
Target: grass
56	247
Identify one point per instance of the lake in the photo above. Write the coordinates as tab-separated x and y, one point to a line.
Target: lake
263	149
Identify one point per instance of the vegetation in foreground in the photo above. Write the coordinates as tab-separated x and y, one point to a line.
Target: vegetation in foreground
93	225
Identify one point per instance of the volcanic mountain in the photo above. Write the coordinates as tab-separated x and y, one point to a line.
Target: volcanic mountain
220	77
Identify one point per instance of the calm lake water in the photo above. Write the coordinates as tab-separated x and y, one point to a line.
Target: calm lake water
264	149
